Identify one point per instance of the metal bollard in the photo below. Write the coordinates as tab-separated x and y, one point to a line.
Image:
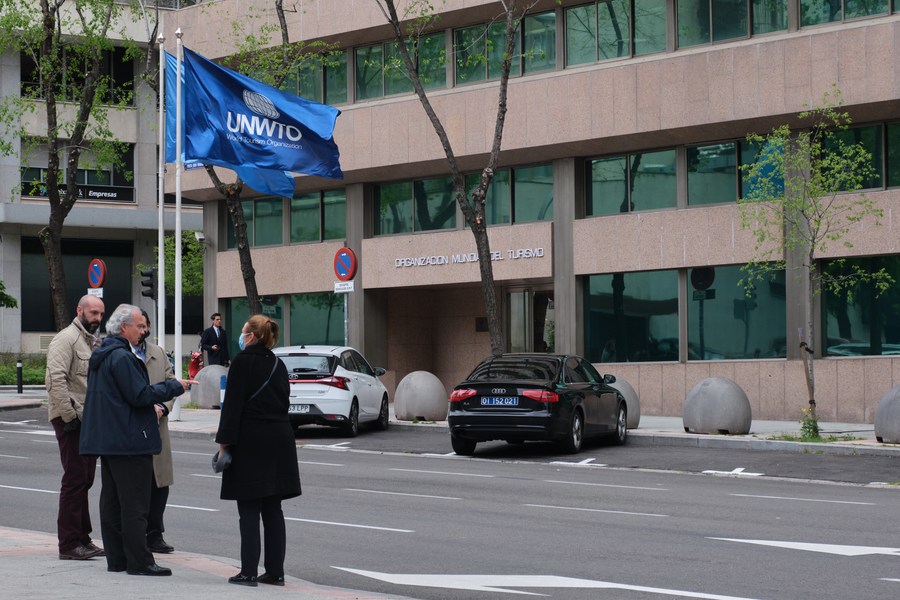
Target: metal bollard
19	376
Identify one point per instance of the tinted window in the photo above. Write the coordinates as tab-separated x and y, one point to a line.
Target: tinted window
361	365
309	363
536	369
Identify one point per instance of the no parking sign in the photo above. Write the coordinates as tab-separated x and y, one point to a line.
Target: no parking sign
96	273
345	264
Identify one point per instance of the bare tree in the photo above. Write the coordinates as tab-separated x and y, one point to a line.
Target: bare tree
408	29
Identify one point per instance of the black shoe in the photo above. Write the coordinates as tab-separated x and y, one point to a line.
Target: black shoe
160	547
79	553
241	579
153	569
271	579
95	548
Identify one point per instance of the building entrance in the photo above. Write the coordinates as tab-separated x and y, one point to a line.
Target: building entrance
531	323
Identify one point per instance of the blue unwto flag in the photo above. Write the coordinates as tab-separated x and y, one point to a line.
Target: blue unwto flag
254	129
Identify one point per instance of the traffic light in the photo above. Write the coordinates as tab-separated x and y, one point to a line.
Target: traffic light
149	284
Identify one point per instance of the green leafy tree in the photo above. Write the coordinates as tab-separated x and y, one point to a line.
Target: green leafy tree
191	264
409	30
6	301
802	197
65	44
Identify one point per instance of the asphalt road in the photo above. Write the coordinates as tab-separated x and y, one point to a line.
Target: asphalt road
394	512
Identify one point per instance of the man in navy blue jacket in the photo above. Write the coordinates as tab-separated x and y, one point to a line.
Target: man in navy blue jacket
120	424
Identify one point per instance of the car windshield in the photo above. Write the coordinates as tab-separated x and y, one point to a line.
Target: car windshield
516	368
308	363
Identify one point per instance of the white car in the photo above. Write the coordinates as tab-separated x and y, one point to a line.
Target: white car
334	386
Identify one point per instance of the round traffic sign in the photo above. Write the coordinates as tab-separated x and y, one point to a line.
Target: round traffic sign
345	264
96	273
702	277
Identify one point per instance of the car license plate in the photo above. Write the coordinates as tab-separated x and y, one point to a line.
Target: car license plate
499	401
298	408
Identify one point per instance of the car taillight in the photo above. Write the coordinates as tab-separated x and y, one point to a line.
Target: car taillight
334	381
541	395
460	395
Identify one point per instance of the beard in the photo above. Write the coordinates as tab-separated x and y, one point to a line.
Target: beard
90	327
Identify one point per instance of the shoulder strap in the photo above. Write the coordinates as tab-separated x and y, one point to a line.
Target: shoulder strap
262	387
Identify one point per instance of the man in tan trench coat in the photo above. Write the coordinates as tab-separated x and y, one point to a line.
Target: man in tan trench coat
159	369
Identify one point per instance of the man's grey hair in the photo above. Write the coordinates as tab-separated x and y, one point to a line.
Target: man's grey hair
123	315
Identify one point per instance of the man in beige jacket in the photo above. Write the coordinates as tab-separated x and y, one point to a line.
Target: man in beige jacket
66	382
159	369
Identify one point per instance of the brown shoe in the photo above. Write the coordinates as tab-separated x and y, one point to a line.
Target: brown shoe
95	548
77	553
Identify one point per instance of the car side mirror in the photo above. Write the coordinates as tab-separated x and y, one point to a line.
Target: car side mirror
609	378
379	371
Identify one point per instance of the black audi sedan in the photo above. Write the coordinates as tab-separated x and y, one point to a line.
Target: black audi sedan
522	397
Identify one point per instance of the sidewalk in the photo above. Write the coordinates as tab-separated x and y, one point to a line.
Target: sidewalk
652	430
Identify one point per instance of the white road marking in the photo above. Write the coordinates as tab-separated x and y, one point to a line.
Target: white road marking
338	446
585	462
443	473
503	583
447	455
24	489
350	525
18	422
401	494
193	453
192	508
609	485
44	441
615	512
29	431
889	579
738	471
12	456
321	464
804	499
205	475
838	549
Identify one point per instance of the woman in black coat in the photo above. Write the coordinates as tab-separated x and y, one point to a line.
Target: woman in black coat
255	427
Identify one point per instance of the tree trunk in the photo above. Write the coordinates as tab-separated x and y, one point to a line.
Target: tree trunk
808	350
51	240
492	309
248	273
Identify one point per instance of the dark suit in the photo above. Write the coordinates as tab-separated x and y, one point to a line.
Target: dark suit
208	339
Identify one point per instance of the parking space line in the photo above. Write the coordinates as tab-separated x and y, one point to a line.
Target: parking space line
443	473
600	510
321	464
12	456
401	494
803	499
349	525
25	489
192	508
609	485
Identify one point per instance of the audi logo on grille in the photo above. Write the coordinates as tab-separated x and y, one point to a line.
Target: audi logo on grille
498	391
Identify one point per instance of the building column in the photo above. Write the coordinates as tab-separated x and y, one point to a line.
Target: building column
568	203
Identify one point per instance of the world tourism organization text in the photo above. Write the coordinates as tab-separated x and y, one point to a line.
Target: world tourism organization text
467	257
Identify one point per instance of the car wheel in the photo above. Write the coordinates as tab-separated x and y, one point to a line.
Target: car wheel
621	425
572	442
383	415
352	426
463	446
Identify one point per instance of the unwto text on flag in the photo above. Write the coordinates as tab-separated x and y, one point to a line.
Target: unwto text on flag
258	131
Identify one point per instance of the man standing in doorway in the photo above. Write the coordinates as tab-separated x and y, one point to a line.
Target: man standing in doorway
214	342
66	382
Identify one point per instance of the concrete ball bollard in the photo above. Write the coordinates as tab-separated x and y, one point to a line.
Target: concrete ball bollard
421	396
206	393
632	402
887	417
717	405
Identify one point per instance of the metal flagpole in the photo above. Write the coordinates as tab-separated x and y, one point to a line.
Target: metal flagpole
161	234
179	167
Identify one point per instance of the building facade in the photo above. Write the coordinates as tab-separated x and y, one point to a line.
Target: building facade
116	219
615	229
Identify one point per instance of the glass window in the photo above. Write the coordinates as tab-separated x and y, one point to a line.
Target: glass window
854	9
893	154
369	71
432	61
712	174
469	51
435	204
533	194
857	321
729	19
496	49
633	182
693	22
269	219
317	319
869	138
581	34
305	218
724	322
497	199
540	42
649	26
308	81
631	317
769	15
396	78
336	78
815	12
393	208
237	311
614	29
334	209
